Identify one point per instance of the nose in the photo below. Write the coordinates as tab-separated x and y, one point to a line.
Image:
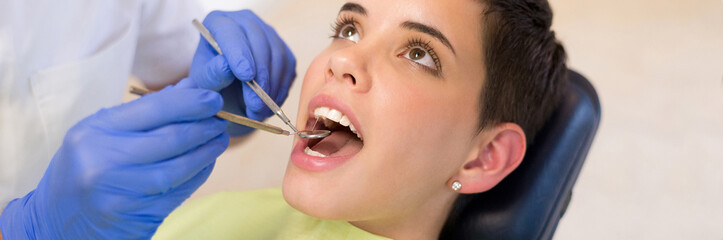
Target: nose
349	67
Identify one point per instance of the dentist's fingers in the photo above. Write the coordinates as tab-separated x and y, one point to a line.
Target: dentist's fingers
164	142
204	52
157	109
283	70
234	44
181	169
215	76
275	65
161	177
261	50
282	65
163	204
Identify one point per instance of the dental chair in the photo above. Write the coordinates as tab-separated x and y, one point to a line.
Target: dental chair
529	203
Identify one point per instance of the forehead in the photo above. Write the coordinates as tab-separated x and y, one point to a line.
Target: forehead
459	20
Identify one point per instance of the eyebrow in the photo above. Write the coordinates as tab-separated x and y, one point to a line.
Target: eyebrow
415	26
353	7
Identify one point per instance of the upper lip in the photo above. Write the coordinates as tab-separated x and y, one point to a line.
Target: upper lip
323	100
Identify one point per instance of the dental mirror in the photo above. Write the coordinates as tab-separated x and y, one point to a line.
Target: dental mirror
313	134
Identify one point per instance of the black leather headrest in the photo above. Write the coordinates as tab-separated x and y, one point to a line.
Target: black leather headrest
532	199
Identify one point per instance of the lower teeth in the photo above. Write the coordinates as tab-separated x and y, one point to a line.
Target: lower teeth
310	152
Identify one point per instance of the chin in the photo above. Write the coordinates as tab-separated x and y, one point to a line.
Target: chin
311	196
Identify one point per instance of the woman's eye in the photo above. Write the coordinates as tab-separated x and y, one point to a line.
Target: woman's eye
421	56
349	32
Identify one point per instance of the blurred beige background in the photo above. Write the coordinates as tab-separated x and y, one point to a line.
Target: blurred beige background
655	170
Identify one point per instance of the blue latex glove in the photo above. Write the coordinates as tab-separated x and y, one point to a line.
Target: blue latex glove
121	171
251	50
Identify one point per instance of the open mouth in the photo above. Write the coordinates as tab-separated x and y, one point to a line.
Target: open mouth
345	139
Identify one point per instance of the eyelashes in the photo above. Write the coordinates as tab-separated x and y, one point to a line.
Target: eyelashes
340	23
415	49
419	43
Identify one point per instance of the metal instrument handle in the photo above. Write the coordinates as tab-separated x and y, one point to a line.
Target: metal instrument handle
231	117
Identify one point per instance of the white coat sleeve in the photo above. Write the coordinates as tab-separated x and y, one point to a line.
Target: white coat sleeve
166	41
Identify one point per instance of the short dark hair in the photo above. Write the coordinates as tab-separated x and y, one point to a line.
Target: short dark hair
526	74
526	70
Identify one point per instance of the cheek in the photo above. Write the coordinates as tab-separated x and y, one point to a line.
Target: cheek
314	77
426	127
313	81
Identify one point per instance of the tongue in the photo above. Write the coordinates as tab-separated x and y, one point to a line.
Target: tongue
339	143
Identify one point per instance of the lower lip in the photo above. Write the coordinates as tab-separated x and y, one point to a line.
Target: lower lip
312	163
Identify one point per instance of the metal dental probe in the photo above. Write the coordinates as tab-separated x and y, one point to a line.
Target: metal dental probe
260	92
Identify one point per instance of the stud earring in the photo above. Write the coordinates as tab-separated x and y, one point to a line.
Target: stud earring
456	185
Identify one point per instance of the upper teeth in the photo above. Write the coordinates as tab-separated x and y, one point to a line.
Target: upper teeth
336	116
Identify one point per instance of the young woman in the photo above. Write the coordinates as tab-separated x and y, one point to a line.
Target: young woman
426	100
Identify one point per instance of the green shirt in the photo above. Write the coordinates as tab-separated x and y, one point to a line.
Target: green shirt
260	214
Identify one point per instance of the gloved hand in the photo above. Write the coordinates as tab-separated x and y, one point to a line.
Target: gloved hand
121	171
251	50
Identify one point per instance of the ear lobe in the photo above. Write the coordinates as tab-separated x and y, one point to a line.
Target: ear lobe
493	159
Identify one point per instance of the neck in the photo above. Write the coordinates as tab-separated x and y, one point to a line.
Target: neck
423	222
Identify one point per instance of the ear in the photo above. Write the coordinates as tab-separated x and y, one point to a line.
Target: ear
497	153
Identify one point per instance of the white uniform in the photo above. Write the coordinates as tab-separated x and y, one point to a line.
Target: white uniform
61	61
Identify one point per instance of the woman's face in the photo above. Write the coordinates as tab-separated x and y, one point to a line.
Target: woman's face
407	74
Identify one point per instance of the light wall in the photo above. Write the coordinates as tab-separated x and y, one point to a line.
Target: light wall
655	170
